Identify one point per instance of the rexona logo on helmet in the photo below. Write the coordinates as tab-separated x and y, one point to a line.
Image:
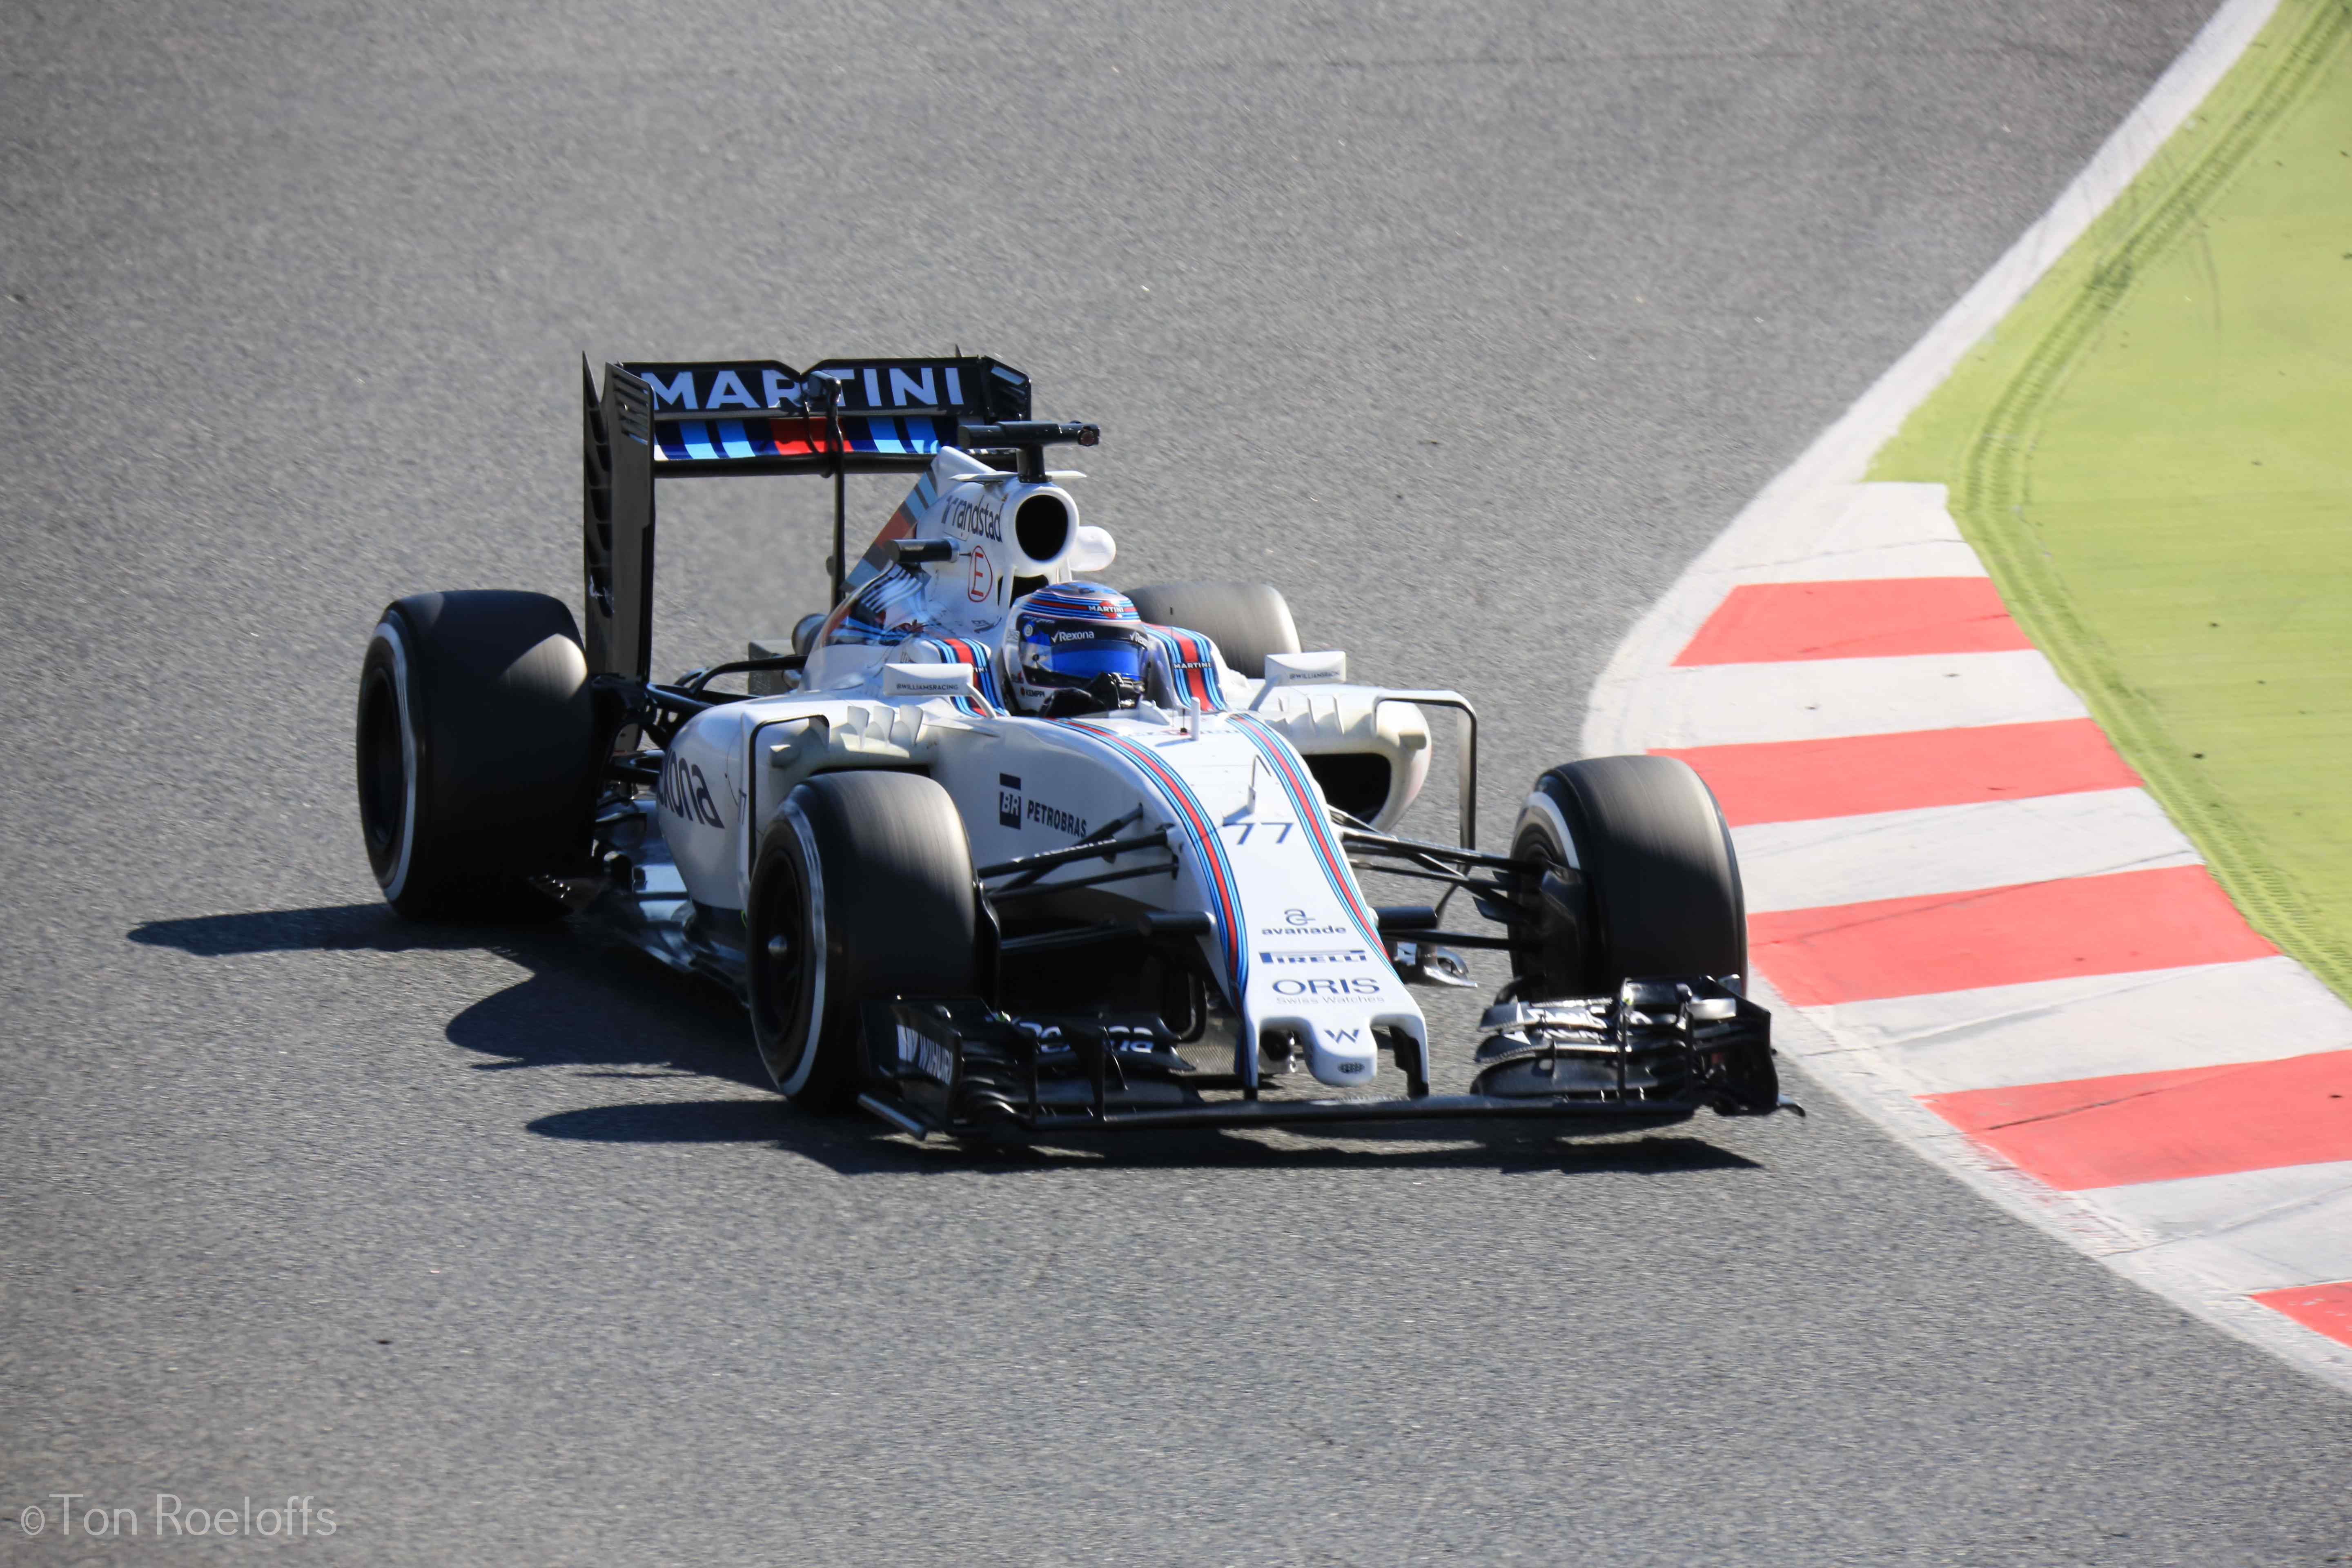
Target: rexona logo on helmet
1079	638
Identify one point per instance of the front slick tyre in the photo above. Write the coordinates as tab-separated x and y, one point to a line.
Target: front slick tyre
1661	888
862	890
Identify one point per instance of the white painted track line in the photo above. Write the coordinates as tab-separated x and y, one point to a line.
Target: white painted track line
1954	849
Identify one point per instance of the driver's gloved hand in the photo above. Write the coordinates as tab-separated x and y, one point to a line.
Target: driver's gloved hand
1104	693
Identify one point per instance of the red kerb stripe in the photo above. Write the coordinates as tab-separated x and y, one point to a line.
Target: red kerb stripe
1869	618
2002	936
2323	1309
2163	1126
1796	781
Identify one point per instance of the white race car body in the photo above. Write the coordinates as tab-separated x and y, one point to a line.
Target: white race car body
1159	838
918	684
988	852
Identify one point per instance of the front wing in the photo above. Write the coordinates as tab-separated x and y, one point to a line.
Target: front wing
1660	1051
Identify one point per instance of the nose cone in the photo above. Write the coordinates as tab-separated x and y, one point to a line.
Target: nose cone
1340	1054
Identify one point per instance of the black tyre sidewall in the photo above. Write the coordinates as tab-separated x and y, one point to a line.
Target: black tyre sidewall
1540	973
782	874
388	674
1662	876
880	861
498	770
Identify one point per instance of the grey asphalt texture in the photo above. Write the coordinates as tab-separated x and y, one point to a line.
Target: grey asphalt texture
1467	326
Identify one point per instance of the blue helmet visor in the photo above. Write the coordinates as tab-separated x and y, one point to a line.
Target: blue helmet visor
1072	653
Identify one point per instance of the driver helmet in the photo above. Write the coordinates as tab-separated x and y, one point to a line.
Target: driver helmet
1066	637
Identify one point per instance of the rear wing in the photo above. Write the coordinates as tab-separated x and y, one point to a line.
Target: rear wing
719	417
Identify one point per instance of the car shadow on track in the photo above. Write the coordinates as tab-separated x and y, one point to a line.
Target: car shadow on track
602	1010
852	1145
611	1013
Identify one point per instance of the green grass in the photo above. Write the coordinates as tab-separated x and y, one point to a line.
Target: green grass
2153	455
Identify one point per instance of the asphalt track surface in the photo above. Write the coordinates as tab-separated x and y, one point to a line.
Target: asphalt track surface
1469	328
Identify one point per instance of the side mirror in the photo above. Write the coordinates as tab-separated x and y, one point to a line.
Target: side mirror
805	632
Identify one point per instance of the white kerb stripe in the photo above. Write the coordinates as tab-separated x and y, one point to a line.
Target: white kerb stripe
1953	848
2094	1026
1813	700
1847	531
2249	1230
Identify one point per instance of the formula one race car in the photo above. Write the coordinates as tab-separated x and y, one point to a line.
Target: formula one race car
991	848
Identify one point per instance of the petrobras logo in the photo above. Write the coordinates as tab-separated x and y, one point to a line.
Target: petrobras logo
1313	958
1008	801
1055	818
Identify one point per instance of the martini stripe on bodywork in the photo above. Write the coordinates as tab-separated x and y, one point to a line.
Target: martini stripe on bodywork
960	650
1192	665
1290	772
1200	830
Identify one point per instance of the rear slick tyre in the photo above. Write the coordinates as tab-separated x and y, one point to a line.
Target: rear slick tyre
1247	621
862	890
1645	842
476	754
